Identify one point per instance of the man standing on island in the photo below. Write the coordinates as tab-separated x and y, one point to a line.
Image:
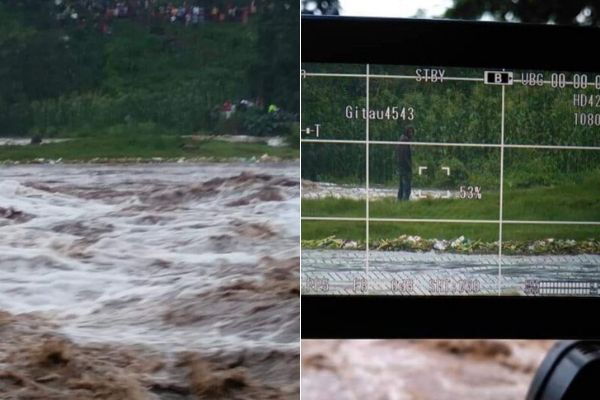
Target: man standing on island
404	158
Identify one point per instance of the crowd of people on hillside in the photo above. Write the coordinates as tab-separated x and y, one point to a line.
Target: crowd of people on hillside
186	12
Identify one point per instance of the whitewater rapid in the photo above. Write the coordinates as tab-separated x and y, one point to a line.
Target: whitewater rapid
173	256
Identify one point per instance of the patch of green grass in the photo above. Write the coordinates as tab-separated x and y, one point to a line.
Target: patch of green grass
434	230
569	202
145	147
332	207
486	208
519	232
313	230
350	230
221	149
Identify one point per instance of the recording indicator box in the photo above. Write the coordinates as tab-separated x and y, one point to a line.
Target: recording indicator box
498	78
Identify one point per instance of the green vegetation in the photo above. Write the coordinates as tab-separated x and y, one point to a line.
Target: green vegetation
147	78
570	201
466	238
451	112
145	147
319	230
538	184
486	208
567	202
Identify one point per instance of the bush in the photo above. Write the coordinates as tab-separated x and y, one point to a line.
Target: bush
459	174
530	171
258	123
293	136
228	126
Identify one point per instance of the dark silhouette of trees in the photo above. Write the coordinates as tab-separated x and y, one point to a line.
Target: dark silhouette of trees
581	12
317	7
275	74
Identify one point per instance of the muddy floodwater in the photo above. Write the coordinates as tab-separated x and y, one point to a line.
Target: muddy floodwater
419	369
159	281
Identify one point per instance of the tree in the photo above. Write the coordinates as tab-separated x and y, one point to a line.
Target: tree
582	12
276	74
40	59
328	7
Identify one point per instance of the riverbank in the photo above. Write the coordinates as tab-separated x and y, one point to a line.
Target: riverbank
120	149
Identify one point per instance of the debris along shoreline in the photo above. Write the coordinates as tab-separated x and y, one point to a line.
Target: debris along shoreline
460	245
265	158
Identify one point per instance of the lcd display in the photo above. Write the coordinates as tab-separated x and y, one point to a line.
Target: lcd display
433	180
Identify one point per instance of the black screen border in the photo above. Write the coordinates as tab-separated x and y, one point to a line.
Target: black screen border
434	43
449	43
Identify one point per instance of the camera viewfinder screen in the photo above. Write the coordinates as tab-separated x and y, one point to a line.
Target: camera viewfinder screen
432	180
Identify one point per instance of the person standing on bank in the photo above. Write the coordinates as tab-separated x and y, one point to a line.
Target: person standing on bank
404	159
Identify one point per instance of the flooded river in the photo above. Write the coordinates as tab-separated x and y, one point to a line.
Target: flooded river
419	369
165	259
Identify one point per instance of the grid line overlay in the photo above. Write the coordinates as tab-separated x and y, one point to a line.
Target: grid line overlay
500	212
501	146
414	77
453	144
453	221
367	173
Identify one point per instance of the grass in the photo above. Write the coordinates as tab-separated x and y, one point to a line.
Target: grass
486	208
316	230
569	202
145	147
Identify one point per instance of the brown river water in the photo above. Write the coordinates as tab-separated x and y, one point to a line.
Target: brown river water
419	369
156	281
